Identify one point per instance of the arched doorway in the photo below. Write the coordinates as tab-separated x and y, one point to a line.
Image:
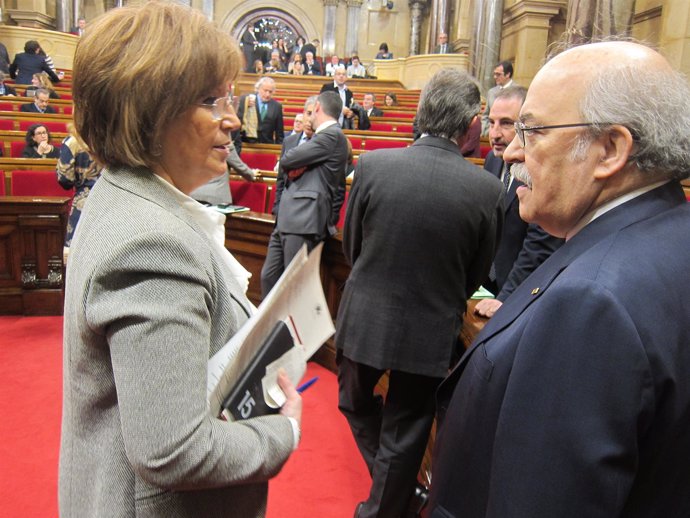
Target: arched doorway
259	30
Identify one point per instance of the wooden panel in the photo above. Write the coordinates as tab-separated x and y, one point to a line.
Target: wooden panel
32	233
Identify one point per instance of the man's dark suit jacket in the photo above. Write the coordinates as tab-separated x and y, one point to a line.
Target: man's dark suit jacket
364	123
31	108
375	112
574	399
311	203
415	263
315	68
523	246
29	64
307	47
270	130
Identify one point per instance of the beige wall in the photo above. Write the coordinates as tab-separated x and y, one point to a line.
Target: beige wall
529	27
58	45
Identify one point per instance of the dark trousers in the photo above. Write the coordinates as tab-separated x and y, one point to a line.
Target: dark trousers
281	249
391	435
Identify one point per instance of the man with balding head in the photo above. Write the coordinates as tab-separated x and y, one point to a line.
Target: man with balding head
574	400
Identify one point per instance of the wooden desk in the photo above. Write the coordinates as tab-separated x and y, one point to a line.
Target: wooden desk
32	233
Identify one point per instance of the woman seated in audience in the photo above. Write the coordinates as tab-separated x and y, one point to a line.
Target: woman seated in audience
30	62
151	292
391	99
296	67
76	170
259	67
383	52
38	143
41	80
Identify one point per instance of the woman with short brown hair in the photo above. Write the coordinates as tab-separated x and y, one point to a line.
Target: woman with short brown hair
151	291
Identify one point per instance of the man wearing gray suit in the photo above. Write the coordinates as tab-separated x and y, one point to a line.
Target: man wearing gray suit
310	188
414	265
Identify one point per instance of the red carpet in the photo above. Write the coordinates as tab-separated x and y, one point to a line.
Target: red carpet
326	477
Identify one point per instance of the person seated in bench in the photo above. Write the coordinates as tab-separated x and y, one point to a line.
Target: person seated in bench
38	143
38	81
40	104
5	89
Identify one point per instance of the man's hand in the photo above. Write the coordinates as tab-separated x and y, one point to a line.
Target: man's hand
487	307
348	113
293	405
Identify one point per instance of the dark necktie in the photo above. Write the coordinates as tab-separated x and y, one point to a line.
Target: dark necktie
506	179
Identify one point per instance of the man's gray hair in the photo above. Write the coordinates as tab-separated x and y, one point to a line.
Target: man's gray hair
654	105
512	92
339	68
310	100
42	91
449	102
263	80
330	103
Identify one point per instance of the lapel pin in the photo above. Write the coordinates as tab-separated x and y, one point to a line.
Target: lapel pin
535	291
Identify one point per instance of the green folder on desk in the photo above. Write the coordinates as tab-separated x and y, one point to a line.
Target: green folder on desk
229	209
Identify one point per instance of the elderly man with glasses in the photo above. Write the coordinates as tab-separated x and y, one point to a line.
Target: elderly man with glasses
574	400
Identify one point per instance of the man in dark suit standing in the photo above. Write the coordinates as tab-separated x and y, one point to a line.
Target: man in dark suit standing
523	246
40	104
443	46
261	115
350	108
574	399
414	265
313	191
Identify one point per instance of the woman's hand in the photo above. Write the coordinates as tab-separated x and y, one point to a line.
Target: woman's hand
44	148
293	405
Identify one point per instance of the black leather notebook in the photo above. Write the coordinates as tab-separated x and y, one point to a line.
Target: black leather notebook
246	399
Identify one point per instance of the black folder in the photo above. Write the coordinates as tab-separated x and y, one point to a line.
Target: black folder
246	399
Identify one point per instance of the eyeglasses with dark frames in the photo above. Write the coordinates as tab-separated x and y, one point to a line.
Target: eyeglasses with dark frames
220	106
521	128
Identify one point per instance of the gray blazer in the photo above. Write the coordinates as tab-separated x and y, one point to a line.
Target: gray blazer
311	203
421	229
148	300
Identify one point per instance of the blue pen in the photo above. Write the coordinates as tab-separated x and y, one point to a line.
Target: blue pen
304	386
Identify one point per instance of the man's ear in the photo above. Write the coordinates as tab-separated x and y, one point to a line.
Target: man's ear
617	145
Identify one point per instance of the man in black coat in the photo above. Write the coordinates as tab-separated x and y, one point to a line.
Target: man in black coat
261	116
312	181
30	62
350	108
421	229
523	246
